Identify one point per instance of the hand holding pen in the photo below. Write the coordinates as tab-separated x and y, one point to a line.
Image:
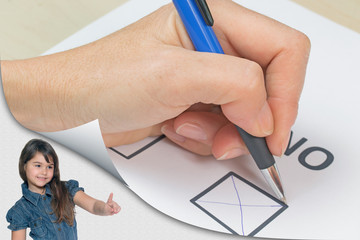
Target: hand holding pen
145	80
198	21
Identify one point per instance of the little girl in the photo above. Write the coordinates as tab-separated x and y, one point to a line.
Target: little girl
47	205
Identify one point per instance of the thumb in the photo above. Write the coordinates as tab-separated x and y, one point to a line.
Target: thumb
235	83
110	198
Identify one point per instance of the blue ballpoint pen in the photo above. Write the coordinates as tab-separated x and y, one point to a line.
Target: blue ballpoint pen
198	22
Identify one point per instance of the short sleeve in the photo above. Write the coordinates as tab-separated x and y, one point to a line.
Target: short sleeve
16	220
73	187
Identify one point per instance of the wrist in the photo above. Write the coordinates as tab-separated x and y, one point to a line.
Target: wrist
100	208
44	93
19	91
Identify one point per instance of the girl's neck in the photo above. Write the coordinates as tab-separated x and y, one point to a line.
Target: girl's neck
38	190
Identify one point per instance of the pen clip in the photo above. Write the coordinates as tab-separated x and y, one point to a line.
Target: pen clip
205	12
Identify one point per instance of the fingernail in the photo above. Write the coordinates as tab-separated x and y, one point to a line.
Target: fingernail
171	134
285	144
265	120
232	153
192	131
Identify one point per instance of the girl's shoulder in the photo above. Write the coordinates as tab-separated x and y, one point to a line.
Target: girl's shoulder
16	209
19	206
73	187
70	182
19	214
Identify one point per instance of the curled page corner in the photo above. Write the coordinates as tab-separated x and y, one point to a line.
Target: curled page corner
87	141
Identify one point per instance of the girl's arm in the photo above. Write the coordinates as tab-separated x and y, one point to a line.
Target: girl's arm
18	235
95	206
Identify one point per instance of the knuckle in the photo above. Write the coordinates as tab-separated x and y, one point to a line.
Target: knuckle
254	77
301	42
306	41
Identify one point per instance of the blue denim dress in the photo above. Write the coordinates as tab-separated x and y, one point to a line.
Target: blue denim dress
34	211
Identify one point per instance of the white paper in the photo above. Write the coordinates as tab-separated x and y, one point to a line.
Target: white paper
87	141
322	204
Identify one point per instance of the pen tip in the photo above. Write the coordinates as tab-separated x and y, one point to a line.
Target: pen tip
272	176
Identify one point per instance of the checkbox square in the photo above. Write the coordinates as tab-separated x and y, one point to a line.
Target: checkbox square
239	206
132	150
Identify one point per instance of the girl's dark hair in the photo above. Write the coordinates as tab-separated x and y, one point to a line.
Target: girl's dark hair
61	203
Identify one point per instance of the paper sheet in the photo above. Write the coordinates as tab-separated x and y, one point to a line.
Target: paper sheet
87	141
319	172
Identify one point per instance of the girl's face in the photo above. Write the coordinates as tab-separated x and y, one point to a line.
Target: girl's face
38	173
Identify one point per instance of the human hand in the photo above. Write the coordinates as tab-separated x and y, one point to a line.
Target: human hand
111	207
146	79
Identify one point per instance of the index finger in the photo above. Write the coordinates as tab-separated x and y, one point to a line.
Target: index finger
281	51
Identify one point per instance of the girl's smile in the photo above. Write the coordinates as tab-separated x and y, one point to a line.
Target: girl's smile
39	173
